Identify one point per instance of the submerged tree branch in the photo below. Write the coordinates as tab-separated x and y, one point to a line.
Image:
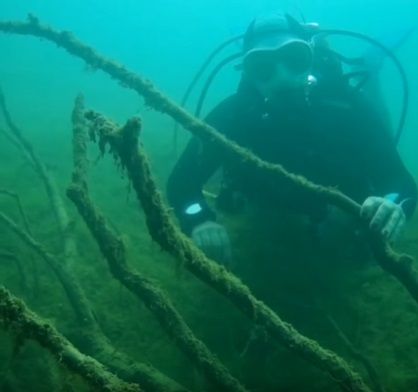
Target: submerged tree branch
19	267
90	333
16	198
356	354
124	145
114	252
71	287
93	340
14	142
16	317
57	203
400	266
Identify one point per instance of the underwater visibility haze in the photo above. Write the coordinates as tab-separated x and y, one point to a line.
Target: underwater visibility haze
151	243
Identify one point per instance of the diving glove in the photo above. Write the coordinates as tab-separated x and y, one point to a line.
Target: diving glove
384	215
214	241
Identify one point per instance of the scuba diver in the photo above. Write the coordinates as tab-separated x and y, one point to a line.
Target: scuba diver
294	106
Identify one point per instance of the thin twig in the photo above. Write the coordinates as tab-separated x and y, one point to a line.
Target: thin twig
21	271
13	257
16	198
11	139
356	354
57	202
90	332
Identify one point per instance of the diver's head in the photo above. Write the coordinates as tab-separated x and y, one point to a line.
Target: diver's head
277	55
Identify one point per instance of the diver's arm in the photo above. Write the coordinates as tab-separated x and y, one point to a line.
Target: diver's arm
185	184
197	164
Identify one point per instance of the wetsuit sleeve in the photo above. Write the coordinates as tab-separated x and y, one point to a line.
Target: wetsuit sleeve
196	165
384	167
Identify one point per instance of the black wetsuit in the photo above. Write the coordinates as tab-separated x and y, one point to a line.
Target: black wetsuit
335	138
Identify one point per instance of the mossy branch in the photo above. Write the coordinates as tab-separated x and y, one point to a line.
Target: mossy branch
124	145
16	317
91	335
71	287
114	252
400	266
57	203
